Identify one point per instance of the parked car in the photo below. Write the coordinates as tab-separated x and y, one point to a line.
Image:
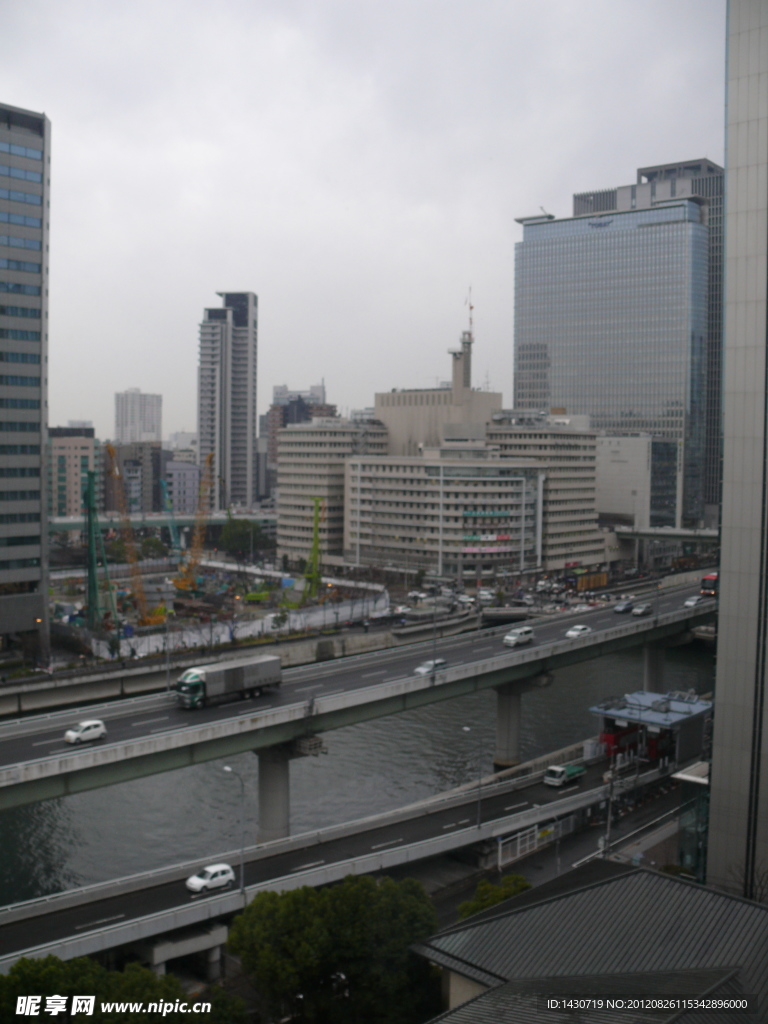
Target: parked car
428	667
622	607
465	599
521	635
85	732
642	609
693	601
214	876
576	631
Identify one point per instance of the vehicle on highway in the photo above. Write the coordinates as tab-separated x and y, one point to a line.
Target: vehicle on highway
428	667
465	599
561	774
521	635
622	607
709	584
227	680
214	876
642	609
577	631
693	601
85	732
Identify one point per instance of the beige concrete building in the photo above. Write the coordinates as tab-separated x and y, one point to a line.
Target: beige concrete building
73	452
640	481
737	856
415	418
310	461
456	511
566	447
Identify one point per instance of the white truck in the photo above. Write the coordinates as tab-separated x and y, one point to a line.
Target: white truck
228	680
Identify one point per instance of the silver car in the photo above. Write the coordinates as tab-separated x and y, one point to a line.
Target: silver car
85	732
214	876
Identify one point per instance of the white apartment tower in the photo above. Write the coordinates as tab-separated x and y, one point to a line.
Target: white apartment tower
24	216
138	417
226	398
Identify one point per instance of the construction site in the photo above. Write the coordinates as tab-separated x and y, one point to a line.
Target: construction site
191	593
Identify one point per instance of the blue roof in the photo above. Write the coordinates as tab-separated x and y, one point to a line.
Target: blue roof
662	709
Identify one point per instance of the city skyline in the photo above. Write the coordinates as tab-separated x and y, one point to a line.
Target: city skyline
349	176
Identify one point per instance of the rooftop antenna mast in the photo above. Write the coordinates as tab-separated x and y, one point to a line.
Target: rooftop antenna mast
471	308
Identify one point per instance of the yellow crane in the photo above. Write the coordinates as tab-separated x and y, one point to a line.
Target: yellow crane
146	618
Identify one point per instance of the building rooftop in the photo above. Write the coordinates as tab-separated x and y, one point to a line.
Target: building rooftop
660	709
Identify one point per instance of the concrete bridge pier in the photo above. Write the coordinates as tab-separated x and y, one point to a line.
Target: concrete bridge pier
653	667
274	793
507	726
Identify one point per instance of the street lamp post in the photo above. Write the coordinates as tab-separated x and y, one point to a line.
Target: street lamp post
239	777
468	729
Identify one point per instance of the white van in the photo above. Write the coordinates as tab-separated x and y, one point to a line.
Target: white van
521	635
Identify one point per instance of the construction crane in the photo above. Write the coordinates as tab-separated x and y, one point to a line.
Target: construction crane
186	578
146	618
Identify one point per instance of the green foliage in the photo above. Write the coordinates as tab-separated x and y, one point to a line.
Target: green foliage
257	596
152	547
84	977
237	535
340	955
488	895
115	551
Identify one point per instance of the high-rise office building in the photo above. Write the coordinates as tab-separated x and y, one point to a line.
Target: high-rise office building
24	220
612	316
138	417
738	824
226	397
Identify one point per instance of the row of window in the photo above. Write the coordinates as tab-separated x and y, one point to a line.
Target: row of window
17	542
17	172
19	357
20	219
24	311
19	449
20	563
20	517
22	426
19	471
13	334
16	242
19	382
20	197
19	289
23	265
19	495
14	150
19	403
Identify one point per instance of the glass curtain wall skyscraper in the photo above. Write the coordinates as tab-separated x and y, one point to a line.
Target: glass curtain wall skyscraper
24	213
611	320
226	398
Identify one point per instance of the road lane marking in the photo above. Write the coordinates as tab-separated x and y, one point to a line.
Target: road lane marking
464	821
43	743
103	920
391	842
513	807
452	825
305	867
378	672
316	686
149	721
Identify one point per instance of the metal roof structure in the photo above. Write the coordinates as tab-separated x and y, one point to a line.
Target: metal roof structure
640	932
663	710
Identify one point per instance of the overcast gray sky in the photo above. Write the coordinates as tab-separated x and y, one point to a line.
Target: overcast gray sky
356	163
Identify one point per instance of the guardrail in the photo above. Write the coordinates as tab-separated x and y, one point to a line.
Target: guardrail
313	711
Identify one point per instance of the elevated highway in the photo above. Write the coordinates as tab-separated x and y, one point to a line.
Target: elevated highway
154	735
138	909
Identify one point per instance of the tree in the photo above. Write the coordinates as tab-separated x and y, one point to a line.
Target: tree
153	547
84	977
241	536
488	895
341	955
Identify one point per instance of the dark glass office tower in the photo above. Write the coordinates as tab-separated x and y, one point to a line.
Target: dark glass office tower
611	320
24	214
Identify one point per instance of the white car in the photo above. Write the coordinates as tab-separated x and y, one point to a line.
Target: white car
576	631
215	876
84	732
428	667
521	635
693	601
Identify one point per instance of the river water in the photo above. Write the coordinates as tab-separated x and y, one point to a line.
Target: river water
376	766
